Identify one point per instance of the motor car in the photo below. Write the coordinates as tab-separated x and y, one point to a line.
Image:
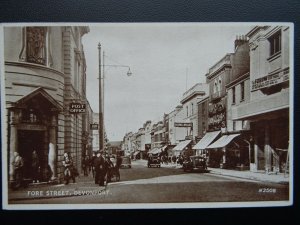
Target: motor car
126	162
194	163
153	161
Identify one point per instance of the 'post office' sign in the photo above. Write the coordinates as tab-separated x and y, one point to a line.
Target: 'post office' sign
77	108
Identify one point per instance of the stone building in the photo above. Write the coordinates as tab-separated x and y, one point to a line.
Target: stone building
268	108
45	73
227	69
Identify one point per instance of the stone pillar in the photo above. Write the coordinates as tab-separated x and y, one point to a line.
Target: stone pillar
13	143
268	153
52	147
254	166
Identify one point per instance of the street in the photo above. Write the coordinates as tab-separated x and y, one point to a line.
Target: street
167	184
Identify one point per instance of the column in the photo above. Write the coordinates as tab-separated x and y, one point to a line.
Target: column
13	142
52	147
268	153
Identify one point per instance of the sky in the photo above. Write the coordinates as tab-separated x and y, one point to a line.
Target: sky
165	59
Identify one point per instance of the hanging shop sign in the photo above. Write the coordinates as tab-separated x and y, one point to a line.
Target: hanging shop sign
94	126
77	108
183	124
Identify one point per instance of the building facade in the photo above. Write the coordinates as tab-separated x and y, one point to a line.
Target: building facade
226	70
189	103
44	74
268	108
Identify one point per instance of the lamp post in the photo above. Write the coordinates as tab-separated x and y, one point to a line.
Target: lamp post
101	96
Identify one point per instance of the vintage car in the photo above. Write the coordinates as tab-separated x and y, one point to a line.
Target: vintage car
126	162
194	163
153	161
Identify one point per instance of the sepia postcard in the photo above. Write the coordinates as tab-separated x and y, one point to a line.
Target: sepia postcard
146	115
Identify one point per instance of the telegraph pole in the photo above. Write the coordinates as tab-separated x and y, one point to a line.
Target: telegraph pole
101	125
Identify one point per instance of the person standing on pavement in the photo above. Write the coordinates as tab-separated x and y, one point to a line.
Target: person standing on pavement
92	163
18	165
99	169
109	166
35	167
68	164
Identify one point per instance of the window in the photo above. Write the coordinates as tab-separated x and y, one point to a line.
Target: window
242	91
275	43
192	109
233	95
187	111
233	126
220	84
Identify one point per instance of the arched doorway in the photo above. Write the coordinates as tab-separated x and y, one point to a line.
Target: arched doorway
33	126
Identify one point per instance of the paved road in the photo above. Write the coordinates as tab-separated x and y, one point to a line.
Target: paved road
168	184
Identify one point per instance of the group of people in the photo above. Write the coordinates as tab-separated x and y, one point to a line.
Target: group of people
100	164
172	159
19	165
104	169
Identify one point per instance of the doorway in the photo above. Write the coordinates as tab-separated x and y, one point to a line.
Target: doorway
29	140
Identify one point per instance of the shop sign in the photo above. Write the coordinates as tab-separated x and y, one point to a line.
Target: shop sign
270	80
77	108
94	126
183	124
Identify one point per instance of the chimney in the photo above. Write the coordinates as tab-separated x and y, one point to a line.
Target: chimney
240	40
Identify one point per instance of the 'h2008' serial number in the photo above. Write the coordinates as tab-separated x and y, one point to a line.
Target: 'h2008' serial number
267	190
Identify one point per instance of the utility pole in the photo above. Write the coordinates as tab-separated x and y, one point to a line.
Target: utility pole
101	125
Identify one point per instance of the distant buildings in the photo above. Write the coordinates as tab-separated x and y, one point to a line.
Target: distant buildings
239	119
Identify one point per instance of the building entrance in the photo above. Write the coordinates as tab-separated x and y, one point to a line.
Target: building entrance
28	141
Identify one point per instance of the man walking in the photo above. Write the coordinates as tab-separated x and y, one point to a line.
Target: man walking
99	169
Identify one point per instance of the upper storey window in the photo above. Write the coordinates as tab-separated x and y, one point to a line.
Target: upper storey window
275	43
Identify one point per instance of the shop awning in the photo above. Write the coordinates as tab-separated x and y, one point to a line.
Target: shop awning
181	145
164	147
136	153
223	141
154	151
206	140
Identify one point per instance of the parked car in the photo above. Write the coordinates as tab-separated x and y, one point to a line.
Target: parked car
153	161
126	162
194	163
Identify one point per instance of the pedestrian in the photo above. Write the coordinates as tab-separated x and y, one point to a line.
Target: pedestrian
35	167
109	166
18	165
87	164
84	165
68	164
92	164
99	169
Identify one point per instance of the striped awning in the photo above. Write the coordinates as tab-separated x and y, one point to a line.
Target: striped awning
181	145
206	140
223	141
154	151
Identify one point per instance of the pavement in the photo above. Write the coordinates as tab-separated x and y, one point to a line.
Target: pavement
262	176
86	186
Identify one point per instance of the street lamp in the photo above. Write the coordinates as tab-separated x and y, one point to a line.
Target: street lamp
101	96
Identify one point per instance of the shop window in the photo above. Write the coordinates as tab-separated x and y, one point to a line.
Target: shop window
275	43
